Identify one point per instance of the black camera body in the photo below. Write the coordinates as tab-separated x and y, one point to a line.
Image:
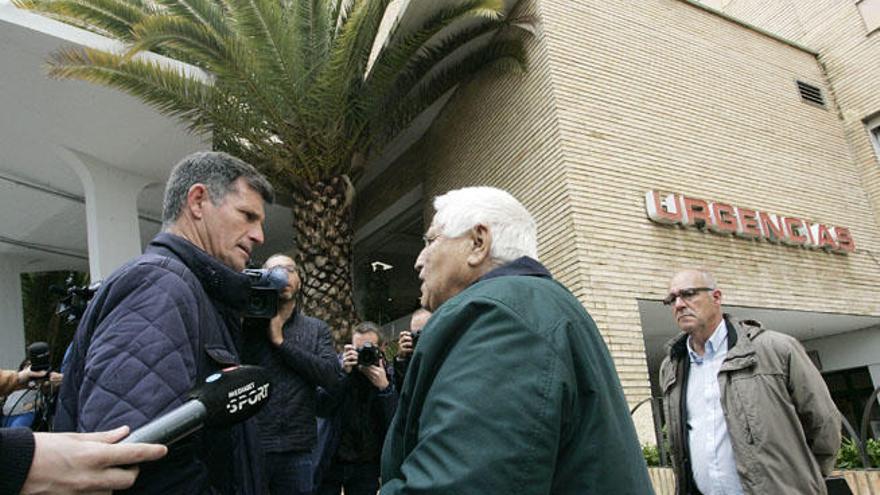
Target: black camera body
368	355
40	356
415	337
263	295
74	299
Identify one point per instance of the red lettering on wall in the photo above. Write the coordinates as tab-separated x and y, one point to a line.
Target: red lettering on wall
823	237
845	242
771	227
696	212
723	218
747	223
795	231
663	210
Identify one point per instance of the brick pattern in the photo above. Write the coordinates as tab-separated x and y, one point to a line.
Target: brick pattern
850	56
626	96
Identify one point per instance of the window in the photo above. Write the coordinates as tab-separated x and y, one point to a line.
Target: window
873	126
870	10
875	137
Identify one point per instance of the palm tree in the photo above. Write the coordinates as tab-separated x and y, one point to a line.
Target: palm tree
296	88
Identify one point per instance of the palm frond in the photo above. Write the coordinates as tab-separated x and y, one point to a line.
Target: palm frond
397	66
261	26
194	42
207	12
394	81
114	18
344	72
169	91
504	55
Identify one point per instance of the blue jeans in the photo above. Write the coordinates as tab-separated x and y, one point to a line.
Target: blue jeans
357	479
289	473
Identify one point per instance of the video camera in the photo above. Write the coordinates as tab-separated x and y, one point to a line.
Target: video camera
74	299
368	355
265	286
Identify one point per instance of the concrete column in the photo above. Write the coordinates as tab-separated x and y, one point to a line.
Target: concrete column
12	332
111	211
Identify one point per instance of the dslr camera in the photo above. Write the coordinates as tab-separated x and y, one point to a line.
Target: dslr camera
368	355
415	338
263	296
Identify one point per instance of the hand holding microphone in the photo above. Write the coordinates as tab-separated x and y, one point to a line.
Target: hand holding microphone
227	397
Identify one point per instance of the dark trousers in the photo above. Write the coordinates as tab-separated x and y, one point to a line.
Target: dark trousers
356	479
289	473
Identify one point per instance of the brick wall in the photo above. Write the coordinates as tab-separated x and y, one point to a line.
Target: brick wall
850	56
626	96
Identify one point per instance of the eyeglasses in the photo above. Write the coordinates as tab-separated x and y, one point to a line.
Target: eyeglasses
684	294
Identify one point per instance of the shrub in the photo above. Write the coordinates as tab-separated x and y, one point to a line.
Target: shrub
652	454
848	456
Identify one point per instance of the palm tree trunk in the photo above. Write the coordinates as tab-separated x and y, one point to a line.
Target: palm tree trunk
323	229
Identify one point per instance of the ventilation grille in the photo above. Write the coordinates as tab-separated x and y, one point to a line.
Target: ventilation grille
811	93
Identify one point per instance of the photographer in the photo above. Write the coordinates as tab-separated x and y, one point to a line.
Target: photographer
407	343
298	353
358	411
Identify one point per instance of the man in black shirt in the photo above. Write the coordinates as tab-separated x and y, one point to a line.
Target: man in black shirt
359	410
298	352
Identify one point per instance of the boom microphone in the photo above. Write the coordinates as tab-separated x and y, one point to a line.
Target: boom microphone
227	397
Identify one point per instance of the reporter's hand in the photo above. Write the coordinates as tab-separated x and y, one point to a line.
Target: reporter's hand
405	344
26	375
349	358
66	463
376	375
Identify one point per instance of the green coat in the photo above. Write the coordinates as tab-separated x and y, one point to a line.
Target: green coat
511	390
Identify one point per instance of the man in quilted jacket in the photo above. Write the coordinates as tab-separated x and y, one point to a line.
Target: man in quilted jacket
166	320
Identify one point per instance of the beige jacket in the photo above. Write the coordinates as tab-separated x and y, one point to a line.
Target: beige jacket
783	425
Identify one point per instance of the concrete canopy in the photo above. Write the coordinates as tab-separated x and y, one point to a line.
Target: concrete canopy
67	143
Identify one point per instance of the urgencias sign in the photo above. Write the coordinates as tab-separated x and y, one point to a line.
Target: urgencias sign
723	218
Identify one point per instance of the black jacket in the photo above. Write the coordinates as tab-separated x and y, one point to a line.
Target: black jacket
304	361
16	454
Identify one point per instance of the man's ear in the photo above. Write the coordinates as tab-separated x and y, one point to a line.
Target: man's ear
480	245
196	198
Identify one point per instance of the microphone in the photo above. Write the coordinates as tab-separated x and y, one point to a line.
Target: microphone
227	397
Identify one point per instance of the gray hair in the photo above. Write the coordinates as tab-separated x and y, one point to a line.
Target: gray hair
514	233
218	171
369	327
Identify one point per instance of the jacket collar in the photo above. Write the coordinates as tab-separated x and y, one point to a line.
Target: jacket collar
221	283
740	350
523	266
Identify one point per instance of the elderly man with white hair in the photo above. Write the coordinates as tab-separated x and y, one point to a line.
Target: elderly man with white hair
511	388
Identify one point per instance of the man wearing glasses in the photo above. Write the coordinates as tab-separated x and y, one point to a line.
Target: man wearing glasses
746	410
298	352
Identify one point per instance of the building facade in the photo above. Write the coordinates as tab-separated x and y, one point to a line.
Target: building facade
625	98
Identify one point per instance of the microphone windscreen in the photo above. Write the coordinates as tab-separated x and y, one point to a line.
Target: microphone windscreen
234	394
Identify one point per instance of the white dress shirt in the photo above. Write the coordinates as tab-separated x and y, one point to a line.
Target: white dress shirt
712	458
